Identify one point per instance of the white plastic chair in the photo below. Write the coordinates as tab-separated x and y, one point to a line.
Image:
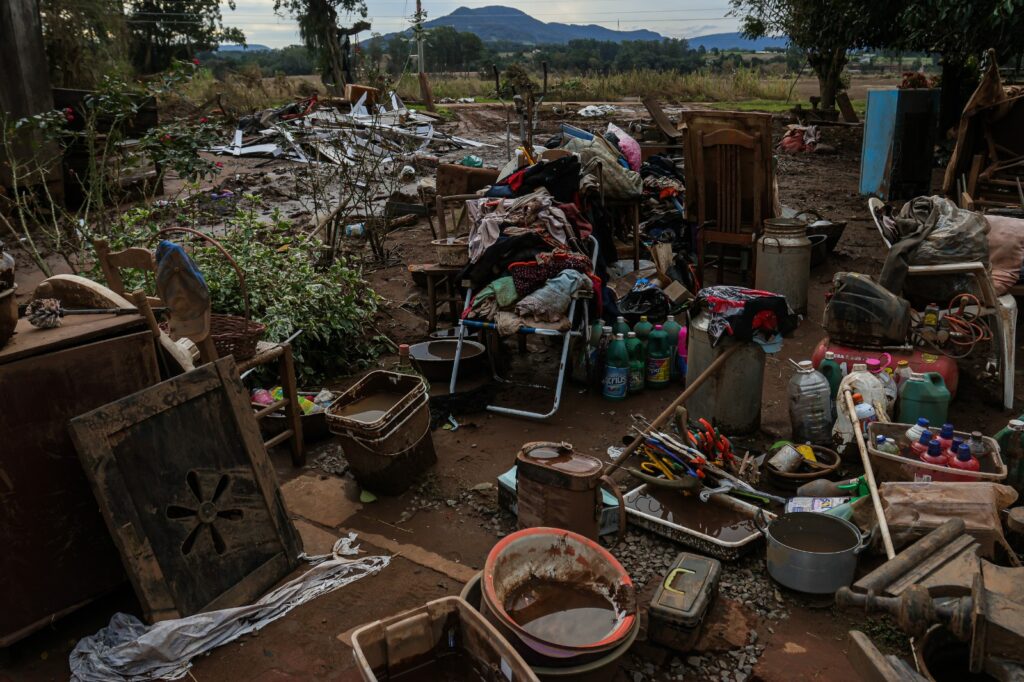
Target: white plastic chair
1002	308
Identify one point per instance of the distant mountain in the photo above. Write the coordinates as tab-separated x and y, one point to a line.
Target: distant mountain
243	48
497	22
735	41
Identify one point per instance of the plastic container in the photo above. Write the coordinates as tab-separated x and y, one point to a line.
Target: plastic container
810	407
919	448
934	454
906	467
832	372
643	329
946	435
383	423
681	359
637	363
865	413
439	640
924	395
682	600
616	370
620	326
672	331
883	444
1011	442
964	461
784	261
902	372
954	447
915	431
918	360
731	397
888	384
659	359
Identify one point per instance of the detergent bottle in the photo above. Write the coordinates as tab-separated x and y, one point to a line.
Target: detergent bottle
643	329
832	372
672	329
920	446
616	370
915	431
887	445
954	447
924	395
902	372
964	461
659	358
865	413
681	358
946	436
620	326
1011	446
934	454
637	363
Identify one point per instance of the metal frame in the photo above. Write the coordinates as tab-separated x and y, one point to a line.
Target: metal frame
575	330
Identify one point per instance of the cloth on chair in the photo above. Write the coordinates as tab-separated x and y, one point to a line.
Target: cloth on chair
740	312
509	323
1006	250
532	275
501	293
619	182
550	302
491	216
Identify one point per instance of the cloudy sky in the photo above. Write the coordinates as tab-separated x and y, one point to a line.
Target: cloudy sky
674	18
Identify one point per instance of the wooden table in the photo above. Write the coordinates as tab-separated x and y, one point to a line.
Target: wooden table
443	275
57	554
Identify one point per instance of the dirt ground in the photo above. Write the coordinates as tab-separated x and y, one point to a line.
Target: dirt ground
440	530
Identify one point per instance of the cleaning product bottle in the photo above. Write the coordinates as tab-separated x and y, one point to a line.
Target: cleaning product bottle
681	358
832	372
888	385
620	326
934	454
672	329
977	444
616	370
914	432
924	395
643	329
920	446
888	445
946	436
865	413
810	407
954	447
637	363
659	358
1011	446
902	372
600	356
964	461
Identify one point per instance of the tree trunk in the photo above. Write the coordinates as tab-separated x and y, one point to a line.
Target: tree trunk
828	66
953	97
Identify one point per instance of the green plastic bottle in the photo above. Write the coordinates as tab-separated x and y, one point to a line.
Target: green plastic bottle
1011	447
643	329
637	363
616	370
672	329
620	326
831	370
659	359
924	395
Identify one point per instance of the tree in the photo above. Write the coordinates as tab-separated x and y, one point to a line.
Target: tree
84	40
824	30
164	30
322	35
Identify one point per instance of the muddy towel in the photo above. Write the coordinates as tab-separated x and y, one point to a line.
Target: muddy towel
127	649
491	216
551	301
740	313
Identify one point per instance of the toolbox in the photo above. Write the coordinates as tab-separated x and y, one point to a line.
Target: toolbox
682	601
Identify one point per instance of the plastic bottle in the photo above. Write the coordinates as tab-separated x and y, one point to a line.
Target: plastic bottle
1011	446
672	329
889	387
883	444
902	372
659	358
954	447
924	395
682	357
946	435
934	454
865	413
643	329
810	407
620	326
920	446
915	431
964	461
637	363
600	355
616	370
832	372
977	444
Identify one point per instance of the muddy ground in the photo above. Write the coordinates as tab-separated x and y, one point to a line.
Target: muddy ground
440	531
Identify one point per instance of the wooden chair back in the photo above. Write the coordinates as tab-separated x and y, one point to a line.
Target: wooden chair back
112	262
728	187
451	211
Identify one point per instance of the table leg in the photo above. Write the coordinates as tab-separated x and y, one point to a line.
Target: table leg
292	411
431	304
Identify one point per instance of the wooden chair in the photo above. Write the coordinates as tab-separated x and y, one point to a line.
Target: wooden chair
112	262
728	194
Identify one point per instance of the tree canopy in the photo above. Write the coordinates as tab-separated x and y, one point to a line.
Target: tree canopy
161	31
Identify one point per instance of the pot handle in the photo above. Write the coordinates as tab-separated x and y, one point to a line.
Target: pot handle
607	482
865	540
761	523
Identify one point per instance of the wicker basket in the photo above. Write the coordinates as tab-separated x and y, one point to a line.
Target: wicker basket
231	334
453	251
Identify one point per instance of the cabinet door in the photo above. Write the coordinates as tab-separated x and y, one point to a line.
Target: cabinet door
57	551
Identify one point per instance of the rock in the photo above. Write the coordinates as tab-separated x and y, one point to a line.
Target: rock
483	487
725	627
752	635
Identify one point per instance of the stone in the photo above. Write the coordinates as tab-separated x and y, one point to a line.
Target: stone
328	502
726	626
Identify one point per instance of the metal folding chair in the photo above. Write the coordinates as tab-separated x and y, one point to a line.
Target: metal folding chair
579	326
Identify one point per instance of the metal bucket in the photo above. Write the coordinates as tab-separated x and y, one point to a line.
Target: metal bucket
784	261
812	552
731	398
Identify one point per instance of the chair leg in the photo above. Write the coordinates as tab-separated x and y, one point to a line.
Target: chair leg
721	263
431	303
292	411
452	294
700	257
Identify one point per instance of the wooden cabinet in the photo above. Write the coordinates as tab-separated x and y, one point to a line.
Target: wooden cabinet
57	554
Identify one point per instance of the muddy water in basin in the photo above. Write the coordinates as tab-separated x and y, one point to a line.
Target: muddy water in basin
453	667
709	518
369	409
562	613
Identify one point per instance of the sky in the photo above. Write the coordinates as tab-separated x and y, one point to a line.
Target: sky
672	18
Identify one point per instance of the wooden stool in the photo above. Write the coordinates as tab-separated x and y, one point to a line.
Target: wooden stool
282	353
443	275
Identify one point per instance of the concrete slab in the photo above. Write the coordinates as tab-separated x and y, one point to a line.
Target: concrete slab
315	540
328	501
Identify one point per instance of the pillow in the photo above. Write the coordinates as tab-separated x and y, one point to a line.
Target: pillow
629	147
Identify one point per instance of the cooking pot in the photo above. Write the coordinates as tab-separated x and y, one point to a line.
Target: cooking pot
812	552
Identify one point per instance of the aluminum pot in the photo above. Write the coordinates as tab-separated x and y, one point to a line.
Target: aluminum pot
812	552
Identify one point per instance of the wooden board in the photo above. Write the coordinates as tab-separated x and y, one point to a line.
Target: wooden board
28	340
57	552
188	493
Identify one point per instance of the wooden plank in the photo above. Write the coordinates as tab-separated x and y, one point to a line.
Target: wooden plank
846	108
188	492
28	340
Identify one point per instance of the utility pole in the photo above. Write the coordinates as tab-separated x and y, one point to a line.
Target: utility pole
419	31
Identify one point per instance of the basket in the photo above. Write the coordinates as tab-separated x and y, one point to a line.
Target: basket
231	334
889	467
453	251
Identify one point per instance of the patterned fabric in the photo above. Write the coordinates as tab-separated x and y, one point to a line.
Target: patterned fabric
532	275
741	312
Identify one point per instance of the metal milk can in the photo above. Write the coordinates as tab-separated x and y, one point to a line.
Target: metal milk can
784	261
731	397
